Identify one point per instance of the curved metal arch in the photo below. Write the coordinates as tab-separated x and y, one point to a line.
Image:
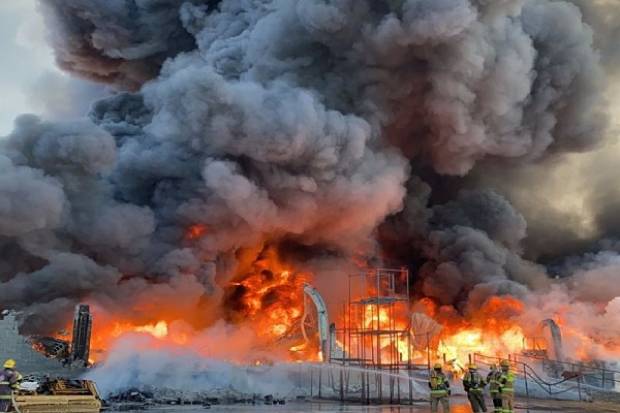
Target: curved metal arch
322	320
556	336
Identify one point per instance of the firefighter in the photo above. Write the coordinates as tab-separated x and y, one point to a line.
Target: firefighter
440	389
507	387
9	381
474	385
493	380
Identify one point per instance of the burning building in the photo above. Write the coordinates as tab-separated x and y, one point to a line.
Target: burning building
246	148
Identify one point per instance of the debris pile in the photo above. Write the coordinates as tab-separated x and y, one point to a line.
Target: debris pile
145	397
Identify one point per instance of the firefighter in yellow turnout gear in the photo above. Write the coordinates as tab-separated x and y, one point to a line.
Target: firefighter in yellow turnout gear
440	389
9	381
493	380
473	383
507	387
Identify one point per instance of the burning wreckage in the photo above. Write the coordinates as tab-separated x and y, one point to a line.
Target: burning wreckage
51	367
50	356
244	157
379	350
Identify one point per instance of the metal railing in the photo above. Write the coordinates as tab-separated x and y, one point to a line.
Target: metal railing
364	385
361	385
577	381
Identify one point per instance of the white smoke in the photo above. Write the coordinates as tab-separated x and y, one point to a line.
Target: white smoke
176	368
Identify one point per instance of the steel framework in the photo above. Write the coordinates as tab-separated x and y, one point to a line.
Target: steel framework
375	334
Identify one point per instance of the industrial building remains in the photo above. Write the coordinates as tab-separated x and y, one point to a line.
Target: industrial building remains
380	349
47	355
82	325
17	347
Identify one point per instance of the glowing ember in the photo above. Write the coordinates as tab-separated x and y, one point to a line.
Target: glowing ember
196	231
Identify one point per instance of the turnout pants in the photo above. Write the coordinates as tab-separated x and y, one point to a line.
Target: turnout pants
497	402
507	402
5	405
476	399
445	403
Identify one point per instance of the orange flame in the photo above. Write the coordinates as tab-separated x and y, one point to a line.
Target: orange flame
158	330
267	299
270	297
196	231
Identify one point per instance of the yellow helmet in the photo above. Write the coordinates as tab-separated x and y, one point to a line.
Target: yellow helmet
9	364
473	367
505	363
437	366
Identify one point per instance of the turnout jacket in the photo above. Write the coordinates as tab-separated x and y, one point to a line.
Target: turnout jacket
439	384
473	382
9	381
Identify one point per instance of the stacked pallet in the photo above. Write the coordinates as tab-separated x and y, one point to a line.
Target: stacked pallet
65	396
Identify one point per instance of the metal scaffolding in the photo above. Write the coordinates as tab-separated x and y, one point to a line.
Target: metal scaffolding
375	334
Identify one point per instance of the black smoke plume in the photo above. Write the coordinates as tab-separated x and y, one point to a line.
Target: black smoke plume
334	128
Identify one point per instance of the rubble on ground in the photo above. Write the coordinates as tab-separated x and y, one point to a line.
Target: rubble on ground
147	396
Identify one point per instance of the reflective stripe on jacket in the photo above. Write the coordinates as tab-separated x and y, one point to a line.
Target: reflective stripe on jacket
493	380
9	381
473	382
439	385
507	382
5	387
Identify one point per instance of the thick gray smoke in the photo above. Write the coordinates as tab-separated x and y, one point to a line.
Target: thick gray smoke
338	127
114	41
604	17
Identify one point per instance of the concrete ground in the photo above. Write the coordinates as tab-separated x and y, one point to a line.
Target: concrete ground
569	407
458	405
